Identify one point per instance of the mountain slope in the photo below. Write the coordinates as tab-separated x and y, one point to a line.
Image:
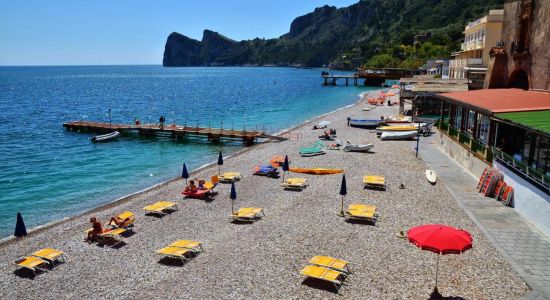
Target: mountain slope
369	26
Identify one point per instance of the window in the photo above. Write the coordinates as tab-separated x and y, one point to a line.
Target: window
483	128
458	117
471	122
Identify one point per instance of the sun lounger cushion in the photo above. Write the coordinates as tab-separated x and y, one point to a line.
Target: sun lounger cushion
160	207
176	252
323	273
230	176
48	254
188	244
247	214
30	262
330	262
362	207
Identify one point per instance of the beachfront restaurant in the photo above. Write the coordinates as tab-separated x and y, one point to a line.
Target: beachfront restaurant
510	130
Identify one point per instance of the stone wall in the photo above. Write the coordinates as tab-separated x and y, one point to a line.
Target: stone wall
460	154
536	62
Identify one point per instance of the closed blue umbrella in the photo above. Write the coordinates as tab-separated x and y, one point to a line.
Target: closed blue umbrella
20	229
233	195
343	192
184	173
220	162
285	167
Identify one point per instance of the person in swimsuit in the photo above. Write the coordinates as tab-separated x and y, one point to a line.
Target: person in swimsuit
97	229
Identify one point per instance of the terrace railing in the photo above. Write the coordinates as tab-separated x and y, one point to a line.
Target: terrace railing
524	170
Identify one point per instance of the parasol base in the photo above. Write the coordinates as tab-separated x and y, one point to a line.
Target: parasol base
435	294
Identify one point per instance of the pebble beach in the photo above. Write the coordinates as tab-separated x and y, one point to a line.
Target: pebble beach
263	260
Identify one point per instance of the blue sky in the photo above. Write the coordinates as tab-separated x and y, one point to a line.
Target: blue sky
95	32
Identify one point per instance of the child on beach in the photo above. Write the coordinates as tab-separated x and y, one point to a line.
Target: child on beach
97	229
201	184
191	187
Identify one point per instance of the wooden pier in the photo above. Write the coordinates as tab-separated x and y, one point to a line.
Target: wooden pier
172	130
336	77
372	76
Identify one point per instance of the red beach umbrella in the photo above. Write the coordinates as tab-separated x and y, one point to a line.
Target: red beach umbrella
441	239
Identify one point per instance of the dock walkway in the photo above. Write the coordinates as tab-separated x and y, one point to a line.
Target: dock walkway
173	130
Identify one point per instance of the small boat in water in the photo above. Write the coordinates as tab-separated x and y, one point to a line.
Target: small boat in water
105	137
363	123
431	176
398	135
358	148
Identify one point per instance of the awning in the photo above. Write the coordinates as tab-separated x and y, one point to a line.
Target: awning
534	120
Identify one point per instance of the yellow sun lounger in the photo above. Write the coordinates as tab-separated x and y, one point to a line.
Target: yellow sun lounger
31	263
362	207
330	262
373	181
50	255
175	252
362	214
295	184
161	207
324	274
188	244
230	177
248	214
110	236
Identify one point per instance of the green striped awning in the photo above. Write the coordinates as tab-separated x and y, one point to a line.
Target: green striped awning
537	120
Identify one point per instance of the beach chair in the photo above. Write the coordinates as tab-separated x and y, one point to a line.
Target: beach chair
247	214
110	237
128	222
31	263
370	216
188	244
266	170
229	177
161	208
211	184
175	253
373	181
330	262
298	184
325	274
50	255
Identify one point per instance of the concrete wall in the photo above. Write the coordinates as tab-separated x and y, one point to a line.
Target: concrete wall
460	154
529	201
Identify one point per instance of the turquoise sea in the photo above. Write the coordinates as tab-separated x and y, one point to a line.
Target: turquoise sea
48	173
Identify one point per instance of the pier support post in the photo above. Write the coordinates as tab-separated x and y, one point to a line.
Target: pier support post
333	81
347	81
325	82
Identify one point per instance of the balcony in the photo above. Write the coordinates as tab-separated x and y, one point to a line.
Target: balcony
472	45
475	61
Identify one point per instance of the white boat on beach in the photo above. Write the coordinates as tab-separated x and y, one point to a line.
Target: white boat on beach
431	176
398	135
105	137
363	123
407	124
358	148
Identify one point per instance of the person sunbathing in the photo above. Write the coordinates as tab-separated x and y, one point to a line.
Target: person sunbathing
191	187
97	229
201	184
119	222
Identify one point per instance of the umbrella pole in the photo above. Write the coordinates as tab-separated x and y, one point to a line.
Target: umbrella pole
342	207
232	210
436	275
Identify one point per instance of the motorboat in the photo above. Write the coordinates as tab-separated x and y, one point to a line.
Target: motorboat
105	137
431	176
398	135
363	123
358	148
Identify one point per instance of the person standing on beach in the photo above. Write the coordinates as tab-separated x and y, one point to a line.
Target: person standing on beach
161	122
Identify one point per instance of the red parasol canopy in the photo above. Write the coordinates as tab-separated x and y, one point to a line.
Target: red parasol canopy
441	239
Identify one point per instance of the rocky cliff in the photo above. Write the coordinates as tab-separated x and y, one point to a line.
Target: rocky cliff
369	27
